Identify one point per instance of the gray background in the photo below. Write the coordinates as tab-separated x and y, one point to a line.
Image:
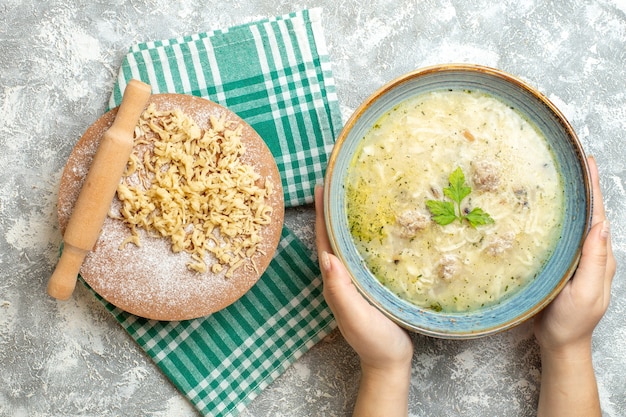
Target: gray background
58	61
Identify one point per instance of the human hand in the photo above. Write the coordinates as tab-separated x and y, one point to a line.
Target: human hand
378	341
564	328
385	349
568	322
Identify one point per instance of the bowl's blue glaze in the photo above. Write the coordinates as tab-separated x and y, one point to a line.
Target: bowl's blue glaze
571	162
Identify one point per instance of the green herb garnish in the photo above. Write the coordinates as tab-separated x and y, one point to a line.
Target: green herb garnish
445	212
436	307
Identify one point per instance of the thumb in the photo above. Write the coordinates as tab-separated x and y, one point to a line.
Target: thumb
339	292
592	267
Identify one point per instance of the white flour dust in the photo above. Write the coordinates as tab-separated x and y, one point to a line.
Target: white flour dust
10	112
621	5
25	233
75	49
8	316
451	51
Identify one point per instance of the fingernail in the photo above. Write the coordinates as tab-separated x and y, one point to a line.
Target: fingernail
606	229
325	261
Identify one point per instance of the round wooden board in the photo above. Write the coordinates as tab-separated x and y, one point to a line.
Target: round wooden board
151	281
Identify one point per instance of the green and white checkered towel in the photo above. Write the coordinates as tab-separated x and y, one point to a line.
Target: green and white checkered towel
276	75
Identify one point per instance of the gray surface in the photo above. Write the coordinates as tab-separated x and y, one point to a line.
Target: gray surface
58	61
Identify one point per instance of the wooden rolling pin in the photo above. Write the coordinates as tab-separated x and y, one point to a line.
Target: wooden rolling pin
98	190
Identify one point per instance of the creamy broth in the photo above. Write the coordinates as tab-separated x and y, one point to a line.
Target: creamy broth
406	158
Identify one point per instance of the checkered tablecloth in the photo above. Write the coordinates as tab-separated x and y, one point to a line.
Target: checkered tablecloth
276	75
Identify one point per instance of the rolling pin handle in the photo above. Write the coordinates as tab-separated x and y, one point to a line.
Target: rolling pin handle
63	281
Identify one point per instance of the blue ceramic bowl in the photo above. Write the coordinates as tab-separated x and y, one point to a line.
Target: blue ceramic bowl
571	162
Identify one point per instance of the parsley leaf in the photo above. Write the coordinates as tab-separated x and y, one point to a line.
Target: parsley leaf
477	217
445	212
457	190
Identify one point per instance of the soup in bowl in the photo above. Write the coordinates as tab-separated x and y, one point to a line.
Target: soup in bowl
458	198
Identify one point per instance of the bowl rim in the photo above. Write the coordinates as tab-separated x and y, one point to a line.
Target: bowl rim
575	142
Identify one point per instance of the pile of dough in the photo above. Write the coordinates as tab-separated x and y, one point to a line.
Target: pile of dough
190	186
